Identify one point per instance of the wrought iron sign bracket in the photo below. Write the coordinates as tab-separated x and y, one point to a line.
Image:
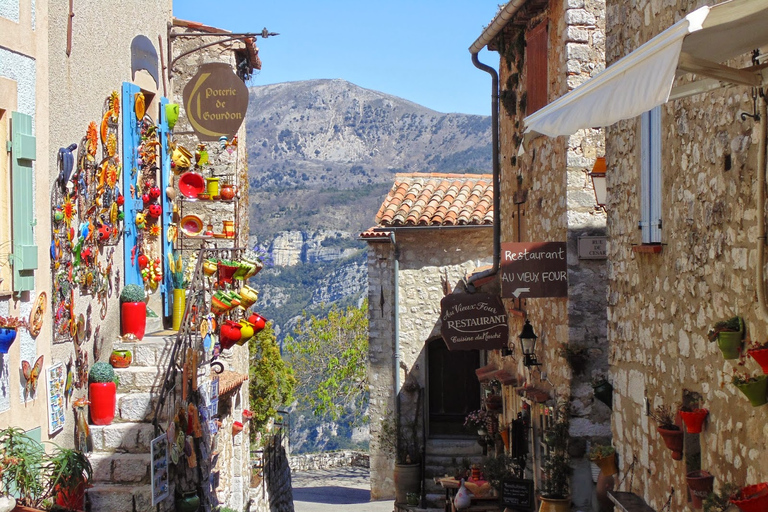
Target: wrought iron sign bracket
228	36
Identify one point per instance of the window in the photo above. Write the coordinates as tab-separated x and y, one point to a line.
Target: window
536	68
454	390
650	176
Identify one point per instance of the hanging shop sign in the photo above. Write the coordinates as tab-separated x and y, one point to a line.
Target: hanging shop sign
534	269
215	101
473	321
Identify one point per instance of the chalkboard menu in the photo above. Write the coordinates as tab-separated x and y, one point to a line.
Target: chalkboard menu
517	494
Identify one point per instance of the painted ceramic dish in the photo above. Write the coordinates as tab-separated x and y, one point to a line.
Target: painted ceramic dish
191	225
191	184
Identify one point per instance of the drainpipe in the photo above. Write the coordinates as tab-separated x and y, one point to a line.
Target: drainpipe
761	170
495	163
396	333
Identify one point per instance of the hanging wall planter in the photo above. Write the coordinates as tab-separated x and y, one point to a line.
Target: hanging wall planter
700	485
753	498
761	356
674	441
694	420
729	334
7	337
754	388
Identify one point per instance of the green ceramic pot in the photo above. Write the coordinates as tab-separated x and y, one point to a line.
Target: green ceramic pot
755	390
171	114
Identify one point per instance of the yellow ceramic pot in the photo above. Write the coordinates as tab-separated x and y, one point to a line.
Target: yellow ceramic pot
212	186
249	295
246	330
555	505
181	158
229	228
209	267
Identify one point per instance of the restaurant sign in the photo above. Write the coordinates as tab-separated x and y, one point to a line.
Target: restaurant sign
215	101
473	321
534	269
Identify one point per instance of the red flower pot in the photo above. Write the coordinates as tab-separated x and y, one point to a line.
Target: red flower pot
674	441
694	420
753	498
700	485
226	273
71	500
133	317
103	398
761	356
237	427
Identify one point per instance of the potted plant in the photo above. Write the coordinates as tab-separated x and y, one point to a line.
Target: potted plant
102	389
671	433
700	485
69	471
176	267
604	456
693	418
483	421
728	334
502	467
759	352
133	310
753	387
555	489
403	441
752	498
21	462
9	327
603	390
720	501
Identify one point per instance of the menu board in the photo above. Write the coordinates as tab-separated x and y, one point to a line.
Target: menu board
517	493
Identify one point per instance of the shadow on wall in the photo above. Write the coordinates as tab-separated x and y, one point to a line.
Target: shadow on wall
277	474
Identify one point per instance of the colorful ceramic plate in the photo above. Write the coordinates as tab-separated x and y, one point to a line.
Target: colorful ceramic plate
191	225
191	184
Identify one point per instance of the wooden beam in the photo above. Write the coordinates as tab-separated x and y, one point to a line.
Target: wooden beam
710	69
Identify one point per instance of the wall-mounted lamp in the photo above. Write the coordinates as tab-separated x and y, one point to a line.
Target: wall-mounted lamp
528	345
598	181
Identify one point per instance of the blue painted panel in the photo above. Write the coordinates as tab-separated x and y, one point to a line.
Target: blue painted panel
166	180
131	270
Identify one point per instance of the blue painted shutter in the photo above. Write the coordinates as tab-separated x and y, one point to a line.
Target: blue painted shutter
165	181
132	205
23	151
650	176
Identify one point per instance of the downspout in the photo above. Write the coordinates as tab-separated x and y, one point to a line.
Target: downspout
396	334
761	170
496	172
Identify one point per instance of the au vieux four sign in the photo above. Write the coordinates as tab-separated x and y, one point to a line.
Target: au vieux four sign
215	101
534	269
473	321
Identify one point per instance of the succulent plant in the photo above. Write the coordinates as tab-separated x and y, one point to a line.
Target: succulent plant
101	372
132	293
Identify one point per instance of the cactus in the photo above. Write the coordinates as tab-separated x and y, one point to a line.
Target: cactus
101	372
132	293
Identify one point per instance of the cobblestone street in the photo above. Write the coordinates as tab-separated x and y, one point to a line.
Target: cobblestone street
336	489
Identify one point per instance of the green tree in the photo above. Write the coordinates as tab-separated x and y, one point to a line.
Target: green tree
329	356
271	379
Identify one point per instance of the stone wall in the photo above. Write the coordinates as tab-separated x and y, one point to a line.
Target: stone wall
662	305
425	256
325	460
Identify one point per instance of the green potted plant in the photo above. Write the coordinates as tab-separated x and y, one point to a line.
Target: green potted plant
604	456
603	390
21	462
670	433
728	334
133	310
753	387
502	467
720	501
555	489
403	441
70	472
102	391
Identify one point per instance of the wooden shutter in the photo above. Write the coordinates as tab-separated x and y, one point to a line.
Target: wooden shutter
536	67
23	150
133	205
166	220
650	176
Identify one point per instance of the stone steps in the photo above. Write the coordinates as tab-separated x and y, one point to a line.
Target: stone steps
120	498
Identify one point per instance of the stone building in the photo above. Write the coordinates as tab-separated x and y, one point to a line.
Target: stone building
547	48
686	227
431	231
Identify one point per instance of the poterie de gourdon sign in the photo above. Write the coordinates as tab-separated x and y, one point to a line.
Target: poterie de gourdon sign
534	269
473	321
215	101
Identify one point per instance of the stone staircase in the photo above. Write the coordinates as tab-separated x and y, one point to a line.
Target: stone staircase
443	456
121	451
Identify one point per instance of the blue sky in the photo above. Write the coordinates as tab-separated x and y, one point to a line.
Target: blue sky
415	49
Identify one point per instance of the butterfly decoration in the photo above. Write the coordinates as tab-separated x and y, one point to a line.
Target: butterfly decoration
31	373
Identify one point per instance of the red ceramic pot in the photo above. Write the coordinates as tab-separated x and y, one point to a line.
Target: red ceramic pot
103	397
694	420
753	498
133	317
237	427
229	334
761	356
700	485
226	272
674	441
258	321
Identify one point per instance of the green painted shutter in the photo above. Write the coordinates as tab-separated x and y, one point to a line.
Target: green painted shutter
23	150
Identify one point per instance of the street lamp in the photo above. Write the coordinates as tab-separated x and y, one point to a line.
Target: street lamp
528	345
598	181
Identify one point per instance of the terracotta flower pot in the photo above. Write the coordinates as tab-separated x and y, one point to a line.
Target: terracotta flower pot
607	464
505	438
755	390
493	402
694	420
674	441
133	318
555	505
753	498
761	356
237	427
103	398
700	485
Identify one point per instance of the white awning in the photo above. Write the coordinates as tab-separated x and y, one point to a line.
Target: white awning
643	79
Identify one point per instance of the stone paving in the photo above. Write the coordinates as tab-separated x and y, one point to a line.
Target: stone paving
345	489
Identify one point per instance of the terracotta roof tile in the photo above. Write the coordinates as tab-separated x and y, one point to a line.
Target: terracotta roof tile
229	381
434	199
369	235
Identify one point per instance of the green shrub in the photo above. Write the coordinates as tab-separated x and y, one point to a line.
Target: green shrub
132	293
600	451
101	372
